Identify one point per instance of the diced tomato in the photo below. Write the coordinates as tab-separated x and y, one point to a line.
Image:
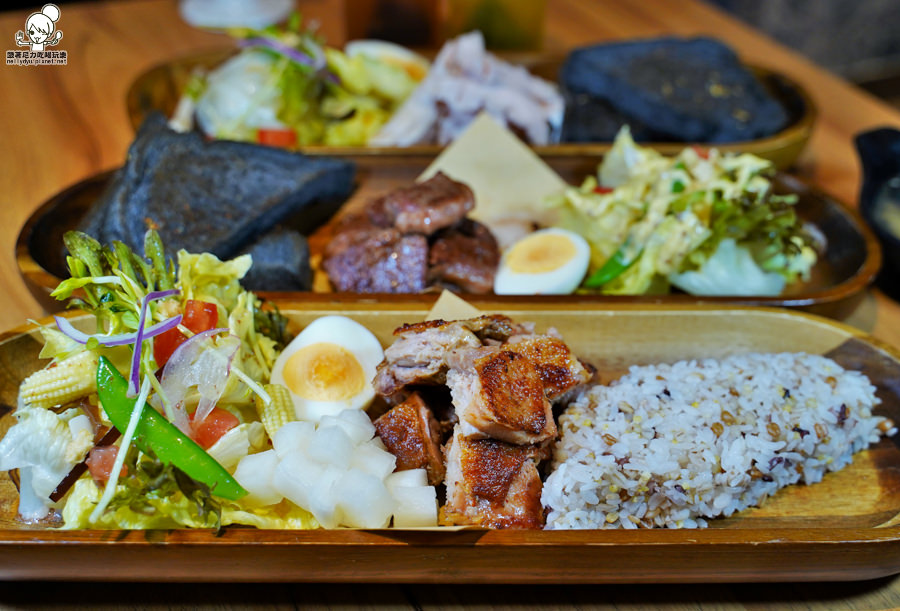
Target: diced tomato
702	153
198	316
601	190
207	432
100	463
284	138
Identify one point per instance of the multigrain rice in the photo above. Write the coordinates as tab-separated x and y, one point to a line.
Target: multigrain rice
674	445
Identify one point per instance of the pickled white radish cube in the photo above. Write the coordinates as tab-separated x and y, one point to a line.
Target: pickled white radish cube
359	420
293	436
373	460
416	506
322	503
254	472
363	500
376	441
295	477
331	445
410	478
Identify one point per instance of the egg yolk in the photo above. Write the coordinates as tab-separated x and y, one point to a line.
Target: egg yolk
540	253
324	372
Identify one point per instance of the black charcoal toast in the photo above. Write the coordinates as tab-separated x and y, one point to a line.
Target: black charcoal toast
214	196
671	89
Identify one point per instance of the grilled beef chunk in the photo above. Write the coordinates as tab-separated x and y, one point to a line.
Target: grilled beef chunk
411	433
369	249
492	484
464	256
560	371
427	206
213	196
364	258
501	396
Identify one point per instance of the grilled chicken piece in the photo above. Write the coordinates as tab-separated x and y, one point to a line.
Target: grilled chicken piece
411	433
419	354
501	395
492	484
427	206
560	371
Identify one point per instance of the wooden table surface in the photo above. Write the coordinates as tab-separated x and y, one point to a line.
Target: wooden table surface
61	124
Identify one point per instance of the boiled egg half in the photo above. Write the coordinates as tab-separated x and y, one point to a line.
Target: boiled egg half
329	367
547	262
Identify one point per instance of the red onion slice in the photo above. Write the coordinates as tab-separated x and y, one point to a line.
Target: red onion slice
134	382
121	339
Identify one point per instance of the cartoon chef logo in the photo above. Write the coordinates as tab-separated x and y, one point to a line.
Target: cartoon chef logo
40	29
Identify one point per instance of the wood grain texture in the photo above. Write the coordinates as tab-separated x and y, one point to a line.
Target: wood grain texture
62	124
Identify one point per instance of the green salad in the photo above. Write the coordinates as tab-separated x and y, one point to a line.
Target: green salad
186	404
703	222
287	88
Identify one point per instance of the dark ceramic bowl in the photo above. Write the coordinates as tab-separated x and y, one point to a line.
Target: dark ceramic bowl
879	198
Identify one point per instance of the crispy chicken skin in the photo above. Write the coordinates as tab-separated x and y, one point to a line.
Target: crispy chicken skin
560	371
501	395
492	484
411	433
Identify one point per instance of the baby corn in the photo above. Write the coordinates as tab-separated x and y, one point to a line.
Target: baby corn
279	411
70	379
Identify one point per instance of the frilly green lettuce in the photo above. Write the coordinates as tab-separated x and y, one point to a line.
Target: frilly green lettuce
206	278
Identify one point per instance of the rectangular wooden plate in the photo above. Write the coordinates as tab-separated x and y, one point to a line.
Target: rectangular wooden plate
845	528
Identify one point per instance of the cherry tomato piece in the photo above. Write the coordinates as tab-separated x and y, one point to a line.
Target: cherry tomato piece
209	430
100	463
283	138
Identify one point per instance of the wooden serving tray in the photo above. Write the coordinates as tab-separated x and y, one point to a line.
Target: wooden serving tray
160	87
837	283
845	528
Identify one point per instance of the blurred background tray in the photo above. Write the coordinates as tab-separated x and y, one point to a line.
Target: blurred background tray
836	285
160	87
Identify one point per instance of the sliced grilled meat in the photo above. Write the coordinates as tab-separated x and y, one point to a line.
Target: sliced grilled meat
418	355
502	396
370	259
492	484
560	371
465	257
427	206
411	433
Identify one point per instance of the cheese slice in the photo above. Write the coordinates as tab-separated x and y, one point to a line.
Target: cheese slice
510	181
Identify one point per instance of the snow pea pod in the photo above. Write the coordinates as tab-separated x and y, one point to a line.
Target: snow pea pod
164	439
614	267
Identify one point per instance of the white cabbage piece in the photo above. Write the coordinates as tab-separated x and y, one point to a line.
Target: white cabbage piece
237	443
241	95
44	446
731	270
